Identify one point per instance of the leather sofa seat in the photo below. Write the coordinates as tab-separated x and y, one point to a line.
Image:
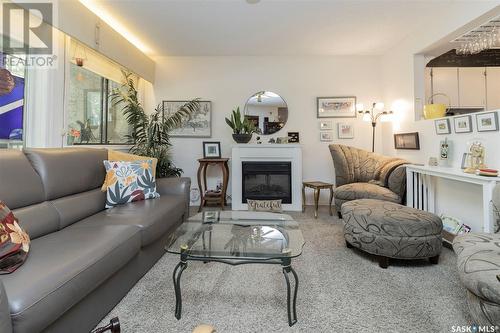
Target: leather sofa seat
65	266
152	217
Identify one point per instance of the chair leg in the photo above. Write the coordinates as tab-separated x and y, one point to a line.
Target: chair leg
434	260
383	262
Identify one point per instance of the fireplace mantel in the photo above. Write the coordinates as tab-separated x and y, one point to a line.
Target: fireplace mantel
266	153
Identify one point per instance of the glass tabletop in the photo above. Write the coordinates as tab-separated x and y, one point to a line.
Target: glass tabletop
238	235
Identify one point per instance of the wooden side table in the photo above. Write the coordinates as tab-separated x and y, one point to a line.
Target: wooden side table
317	186
212	197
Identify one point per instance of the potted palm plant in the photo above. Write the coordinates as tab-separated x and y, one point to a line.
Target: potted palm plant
242	127
150	132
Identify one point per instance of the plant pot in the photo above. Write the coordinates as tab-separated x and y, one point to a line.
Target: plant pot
242	138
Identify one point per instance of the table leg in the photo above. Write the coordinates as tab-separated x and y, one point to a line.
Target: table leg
202	191
316	202
176	276
225	180
291	301
331	199
303	198
226	183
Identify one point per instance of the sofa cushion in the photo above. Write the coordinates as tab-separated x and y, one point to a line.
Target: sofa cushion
478	260
356	191
76	207
14	241
129	181
38	220
63	267
66	171
16	170
153	217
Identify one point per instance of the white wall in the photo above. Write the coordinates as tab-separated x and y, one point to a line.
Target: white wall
229	81
400	91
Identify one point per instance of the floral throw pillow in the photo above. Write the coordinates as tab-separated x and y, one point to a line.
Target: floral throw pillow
129	181
14	241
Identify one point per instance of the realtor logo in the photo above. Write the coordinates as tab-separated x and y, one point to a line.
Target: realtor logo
27	28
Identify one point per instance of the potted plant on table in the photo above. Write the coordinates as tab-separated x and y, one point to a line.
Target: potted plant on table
242	127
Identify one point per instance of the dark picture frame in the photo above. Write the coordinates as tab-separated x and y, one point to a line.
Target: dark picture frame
336	107
211	149
407	141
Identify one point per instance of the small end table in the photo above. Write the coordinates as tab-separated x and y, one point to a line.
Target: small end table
211	196
317	186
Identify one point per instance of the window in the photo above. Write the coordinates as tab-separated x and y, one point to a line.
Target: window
92	117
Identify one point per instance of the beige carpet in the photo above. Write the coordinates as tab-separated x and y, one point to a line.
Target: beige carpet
341	290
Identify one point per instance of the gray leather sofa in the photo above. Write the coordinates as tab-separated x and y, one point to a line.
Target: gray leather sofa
83	258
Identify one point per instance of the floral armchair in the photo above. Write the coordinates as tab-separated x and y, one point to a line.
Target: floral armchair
360	174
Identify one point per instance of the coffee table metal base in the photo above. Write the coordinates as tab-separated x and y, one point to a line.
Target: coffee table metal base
291	300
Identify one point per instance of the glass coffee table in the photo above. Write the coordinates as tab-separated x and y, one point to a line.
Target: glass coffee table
236	238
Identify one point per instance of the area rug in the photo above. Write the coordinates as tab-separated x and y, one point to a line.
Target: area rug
341	290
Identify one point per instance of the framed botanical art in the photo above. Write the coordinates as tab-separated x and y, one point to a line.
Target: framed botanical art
336	107
463	124
199	125
442	126
211	149
487	122
326	136
346	131
325	125
407	141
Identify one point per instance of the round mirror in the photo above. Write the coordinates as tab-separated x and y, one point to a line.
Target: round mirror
268	111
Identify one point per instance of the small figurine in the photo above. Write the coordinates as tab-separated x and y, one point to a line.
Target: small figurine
475	157
272	140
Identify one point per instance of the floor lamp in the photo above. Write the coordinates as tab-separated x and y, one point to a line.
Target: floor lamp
370	115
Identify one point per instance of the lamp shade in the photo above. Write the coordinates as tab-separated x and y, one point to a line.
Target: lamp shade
367	116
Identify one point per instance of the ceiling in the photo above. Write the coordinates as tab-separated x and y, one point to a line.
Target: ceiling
273	27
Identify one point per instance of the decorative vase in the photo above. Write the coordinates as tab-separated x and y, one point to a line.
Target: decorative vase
242	138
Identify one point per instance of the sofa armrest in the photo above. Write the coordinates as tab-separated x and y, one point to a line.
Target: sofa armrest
397	181
5	322
175	186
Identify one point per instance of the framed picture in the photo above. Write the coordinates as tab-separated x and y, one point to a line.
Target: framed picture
293	137
442	126
326	136
407	141
326	125
487	122
211	149
463	124
199	125
346	131
336	107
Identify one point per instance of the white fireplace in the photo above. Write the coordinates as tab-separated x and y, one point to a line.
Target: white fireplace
278	168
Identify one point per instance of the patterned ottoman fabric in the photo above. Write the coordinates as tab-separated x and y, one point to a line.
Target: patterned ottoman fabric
392	230
478	260
356	191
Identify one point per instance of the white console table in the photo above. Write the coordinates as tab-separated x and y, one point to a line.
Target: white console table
420	188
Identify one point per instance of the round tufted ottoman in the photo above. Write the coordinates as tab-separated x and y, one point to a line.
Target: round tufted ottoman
391	230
